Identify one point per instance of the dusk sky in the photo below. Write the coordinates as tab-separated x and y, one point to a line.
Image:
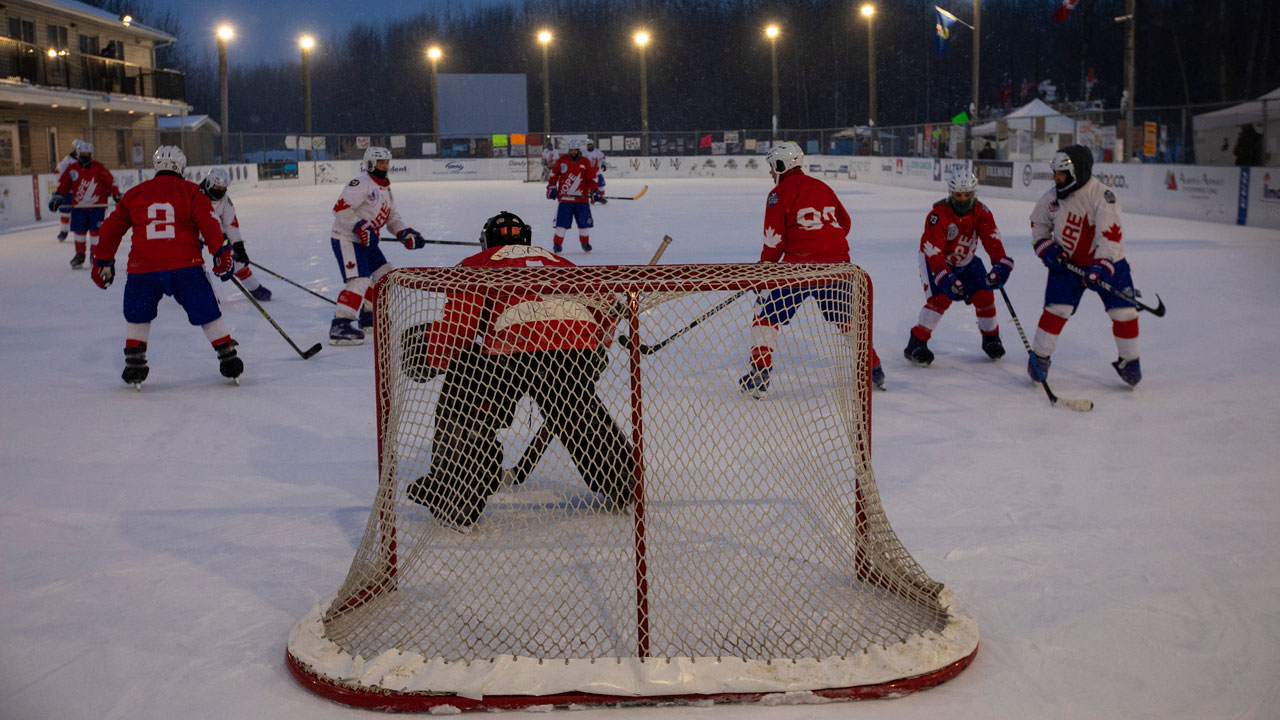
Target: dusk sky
268	30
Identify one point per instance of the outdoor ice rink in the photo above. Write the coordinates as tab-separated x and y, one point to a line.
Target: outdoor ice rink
157	547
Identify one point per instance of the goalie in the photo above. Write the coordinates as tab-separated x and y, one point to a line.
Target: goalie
493	349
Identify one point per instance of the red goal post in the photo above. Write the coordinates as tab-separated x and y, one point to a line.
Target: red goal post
747	555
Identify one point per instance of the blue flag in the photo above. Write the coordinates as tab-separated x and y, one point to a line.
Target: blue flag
942	30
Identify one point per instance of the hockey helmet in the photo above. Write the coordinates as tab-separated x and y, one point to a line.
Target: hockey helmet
170	158
783	157
1077	162
215	183
966	183
75	146
505	228
84	153
371	158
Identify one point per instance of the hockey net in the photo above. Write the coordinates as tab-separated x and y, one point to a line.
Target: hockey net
691	543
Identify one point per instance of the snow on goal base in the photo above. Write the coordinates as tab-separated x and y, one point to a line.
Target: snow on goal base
675	540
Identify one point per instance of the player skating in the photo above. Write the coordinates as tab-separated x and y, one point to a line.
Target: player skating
85	186
804	222
64	210
596	158
552	349
1078	221
364	208
170	219
549	155
950	270
214	186
573	182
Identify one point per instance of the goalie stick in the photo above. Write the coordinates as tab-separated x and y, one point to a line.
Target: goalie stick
304	353
1054	400
301	287
1158	310
537	447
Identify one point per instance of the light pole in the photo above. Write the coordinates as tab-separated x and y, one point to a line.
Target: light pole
224	34
642	39
868	12
973	101
772	33
307	42
434	54
544	37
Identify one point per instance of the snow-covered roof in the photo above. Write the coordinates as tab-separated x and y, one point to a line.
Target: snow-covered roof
189	123
1245	112
89	12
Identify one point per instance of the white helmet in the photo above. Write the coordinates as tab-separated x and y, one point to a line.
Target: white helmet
84	148
575	144
784	156
962	181
373	155
169	157
215	184
75	146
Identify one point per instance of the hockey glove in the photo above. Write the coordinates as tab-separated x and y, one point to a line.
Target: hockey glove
1049	251
412	239
238	253
596	196
552	192
116	198
366	233
949	285
55	202
999	274
1100	271
104	273
223	265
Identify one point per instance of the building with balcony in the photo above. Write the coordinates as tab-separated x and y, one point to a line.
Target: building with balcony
69	70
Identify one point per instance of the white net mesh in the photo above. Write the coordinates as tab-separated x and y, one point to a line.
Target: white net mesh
624	510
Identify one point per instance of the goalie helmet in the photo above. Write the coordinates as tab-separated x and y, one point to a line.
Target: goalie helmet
966	183
215	183
371	158
170	158
1077	162
505	228
783	157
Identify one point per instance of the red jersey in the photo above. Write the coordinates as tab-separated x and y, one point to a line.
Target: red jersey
575	179
951	239
168	216
90	186
521	322
804	222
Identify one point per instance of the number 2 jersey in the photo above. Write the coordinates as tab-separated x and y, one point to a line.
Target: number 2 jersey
804	222
170	218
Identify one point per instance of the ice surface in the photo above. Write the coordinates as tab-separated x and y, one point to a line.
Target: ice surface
157	547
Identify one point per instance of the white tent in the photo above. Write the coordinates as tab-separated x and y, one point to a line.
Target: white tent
1216	132
1023	143
1024	119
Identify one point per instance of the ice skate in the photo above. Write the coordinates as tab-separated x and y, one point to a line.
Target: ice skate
586	246
877	378
756	382
77	261
992	346
343	332
1038	367
62	236
261	293
229	364
135	366
917	351
1130	371
366	320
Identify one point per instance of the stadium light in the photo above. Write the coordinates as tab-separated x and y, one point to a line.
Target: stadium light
434	53
642	40
306	42
225	34
772	33
868	12
544	37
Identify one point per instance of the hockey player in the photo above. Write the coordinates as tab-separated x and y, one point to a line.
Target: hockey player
553	349
573	182
951	271
64	211
1078	220
214	186
804	222
85	187
596	158
364	208
170	219
549	155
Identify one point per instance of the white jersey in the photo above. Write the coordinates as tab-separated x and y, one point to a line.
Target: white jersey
1087	224
549	156
596	158
225	211
365	198
63	164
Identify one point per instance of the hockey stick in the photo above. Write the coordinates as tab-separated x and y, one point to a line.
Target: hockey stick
1158	310
637	196
305	354
651	349
301	287
449	242
537	447
1054	400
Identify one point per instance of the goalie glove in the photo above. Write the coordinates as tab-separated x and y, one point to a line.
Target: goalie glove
412	239
223	265
103	273
365	232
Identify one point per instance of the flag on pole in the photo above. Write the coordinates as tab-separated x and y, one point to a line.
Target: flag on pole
1060	15
942	28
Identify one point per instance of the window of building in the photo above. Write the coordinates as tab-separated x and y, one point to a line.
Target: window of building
53	148
58	37
89	44
23	30
24	145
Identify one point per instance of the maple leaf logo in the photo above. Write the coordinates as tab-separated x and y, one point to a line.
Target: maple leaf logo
771	238
1112	233
341	205
351	266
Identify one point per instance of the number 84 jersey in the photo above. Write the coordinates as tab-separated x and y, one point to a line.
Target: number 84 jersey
804	222
170	219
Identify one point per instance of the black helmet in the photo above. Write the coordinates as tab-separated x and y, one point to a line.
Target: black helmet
1077	162
505	229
